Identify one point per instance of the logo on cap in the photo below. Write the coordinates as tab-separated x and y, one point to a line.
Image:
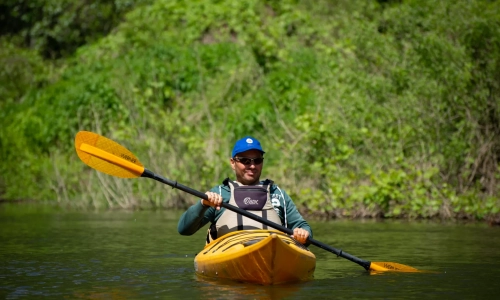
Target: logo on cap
249	141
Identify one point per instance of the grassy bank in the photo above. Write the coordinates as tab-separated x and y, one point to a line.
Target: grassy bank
365	108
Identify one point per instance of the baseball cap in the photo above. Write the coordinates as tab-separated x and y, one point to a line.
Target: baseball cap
245	144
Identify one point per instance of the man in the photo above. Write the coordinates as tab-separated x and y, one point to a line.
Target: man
263	198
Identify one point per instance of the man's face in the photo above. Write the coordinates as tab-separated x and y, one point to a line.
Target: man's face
248	173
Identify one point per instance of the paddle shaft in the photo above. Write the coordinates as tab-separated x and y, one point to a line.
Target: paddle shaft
174	184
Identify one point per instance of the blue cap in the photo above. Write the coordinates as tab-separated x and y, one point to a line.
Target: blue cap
245	144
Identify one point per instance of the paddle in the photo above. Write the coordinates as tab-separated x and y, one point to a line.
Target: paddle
111	158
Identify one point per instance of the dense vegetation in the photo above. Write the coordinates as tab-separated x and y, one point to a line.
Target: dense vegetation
366	108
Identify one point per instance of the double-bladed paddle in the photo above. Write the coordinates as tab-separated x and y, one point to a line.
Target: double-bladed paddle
111	158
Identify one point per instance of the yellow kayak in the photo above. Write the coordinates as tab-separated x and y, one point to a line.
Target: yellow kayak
256	256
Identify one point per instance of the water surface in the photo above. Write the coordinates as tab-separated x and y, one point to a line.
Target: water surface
139	255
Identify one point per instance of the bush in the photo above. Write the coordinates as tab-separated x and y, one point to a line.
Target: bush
368	108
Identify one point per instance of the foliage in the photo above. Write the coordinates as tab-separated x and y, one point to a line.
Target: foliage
58	27
368	108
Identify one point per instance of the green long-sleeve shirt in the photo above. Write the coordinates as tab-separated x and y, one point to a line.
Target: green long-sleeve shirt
198	215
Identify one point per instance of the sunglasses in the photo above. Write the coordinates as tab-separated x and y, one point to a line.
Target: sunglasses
249	161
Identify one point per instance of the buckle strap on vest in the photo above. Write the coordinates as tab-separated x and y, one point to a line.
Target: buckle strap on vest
265	183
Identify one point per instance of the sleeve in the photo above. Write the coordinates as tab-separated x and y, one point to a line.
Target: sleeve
195	217
293	216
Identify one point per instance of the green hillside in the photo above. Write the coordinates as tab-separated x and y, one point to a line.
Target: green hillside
365	108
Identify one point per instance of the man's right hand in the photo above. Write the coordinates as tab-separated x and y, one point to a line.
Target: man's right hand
214	200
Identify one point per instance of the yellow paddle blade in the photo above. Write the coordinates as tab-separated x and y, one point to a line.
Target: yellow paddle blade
107	156
391	266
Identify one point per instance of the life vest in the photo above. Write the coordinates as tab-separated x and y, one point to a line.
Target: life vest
252	198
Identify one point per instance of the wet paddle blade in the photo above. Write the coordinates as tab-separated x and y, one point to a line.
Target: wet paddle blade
391	266
107	156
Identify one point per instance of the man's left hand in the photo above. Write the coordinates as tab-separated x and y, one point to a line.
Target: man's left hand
300	235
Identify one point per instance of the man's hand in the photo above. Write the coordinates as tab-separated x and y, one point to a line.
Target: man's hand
214	200
300	235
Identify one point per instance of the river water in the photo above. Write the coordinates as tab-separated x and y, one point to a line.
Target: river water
53	254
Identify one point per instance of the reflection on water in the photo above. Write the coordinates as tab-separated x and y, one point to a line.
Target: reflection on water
104	293
139	255
213	289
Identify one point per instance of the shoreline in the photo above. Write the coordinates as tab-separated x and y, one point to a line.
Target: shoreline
492	221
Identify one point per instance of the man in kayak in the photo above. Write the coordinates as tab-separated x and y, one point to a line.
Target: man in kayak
263	198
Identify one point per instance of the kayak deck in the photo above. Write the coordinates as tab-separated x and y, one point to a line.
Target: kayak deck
256	256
